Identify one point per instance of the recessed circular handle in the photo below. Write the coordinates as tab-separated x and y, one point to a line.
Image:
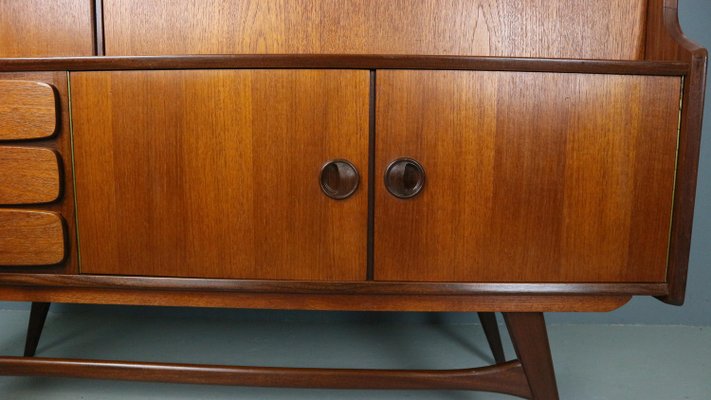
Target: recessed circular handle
404	178
339	179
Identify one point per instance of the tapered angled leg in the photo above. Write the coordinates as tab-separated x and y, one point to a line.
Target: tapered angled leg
491	329
38	315
530	340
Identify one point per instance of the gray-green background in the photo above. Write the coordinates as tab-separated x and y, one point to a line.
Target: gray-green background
695	16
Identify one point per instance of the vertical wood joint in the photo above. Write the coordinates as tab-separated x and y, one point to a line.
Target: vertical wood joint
98	25
371	178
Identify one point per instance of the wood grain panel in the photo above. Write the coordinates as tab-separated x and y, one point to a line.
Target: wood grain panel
28	175
28	110
531	177
46	28
30	238
536	28
215	173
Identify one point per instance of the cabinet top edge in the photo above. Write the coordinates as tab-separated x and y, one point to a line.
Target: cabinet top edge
370	62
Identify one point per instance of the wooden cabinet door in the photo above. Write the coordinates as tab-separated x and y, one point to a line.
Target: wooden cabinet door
215	173
530	177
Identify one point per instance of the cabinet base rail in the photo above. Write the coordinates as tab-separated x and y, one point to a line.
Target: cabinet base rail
531	376
508	377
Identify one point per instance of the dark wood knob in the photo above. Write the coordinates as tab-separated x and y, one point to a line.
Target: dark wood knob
339	179
404	178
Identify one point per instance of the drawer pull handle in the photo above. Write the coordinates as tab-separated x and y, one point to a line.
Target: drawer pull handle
404	178
339	179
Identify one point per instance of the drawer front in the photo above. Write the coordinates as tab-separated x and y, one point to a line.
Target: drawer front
31	238
216	173
46	28
530	177
28	110
34	142
28	175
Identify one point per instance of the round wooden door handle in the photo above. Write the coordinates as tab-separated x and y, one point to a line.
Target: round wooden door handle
404	178
339	179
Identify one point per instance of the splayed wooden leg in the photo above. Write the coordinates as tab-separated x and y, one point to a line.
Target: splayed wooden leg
493	336
530	339
38	315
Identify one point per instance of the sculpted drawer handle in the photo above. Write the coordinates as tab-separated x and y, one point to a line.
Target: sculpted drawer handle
339	179
404	178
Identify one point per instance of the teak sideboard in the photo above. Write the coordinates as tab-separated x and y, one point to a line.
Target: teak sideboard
433	155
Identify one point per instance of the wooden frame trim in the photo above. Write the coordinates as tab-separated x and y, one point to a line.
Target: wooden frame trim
319	302
666	41
669	68
311	295
329	288
687	170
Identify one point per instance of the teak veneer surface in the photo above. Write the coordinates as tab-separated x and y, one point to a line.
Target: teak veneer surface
30	238
535	28
28	175
215	173
28	110
531	177
46	28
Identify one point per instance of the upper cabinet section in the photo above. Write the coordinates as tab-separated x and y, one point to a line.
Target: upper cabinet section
603	29
611	30
46	28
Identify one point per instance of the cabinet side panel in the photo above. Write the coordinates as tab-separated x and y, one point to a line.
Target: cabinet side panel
215	173
533	28
666	41
531	177
46	28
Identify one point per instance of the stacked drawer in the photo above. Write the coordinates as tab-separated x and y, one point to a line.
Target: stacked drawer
32	229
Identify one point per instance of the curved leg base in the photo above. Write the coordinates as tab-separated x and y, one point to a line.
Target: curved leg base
529	377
